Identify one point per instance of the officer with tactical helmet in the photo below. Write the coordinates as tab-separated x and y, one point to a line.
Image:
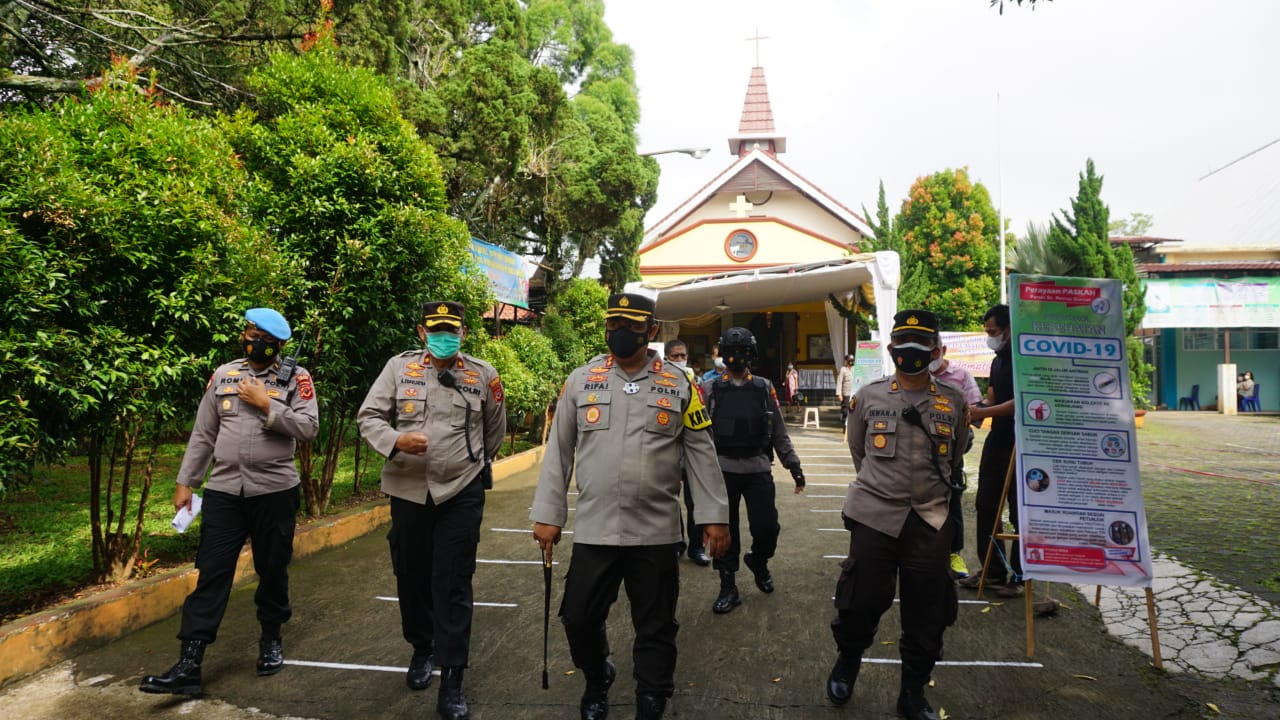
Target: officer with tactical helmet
623	423
254	412
907	433
748	430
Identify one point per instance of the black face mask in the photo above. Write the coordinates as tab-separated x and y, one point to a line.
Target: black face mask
261	350
910	358
624	343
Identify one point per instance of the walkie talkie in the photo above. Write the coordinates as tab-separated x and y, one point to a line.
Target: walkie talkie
284	373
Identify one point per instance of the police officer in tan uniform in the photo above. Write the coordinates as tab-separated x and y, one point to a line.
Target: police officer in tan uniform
906	433
438	418
254	412
627	418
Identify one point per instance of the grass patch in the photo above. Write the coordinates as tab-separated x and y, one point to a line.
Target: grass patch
47	553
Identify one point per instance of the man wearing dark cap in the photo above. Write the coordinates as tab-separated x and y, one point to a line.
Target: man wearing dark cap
438	417
627	418
253	413
906	433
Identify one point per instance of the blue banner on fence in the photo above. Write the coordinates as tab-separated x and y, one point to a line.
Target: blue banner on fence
505	270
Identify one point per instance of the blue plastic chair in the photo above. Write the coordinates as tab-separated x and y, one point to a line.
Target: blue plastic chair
1251	403
1192	401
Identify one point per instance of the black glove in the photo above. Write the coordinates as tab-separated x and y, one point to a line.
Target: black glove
797	474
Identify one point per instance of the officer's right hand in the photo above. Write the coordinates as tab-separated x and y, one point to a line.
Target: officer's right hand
716	539
181	497
546	535
414	443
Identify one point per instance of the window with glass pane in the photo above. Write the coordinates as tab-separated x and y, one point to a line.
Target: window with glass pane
1264	339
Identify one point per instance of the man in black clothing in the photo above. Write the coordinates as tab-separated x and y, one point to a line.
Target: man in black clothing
748	430
996	452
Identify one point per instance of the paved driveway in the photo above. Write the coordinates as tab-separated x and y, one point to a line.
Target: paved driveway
766	659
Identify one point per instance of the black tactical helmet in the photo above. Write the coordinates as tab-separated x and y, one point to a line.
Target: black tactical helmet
738	343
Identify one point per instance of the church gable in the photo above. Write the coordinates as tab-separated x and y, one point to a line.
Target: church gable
756	177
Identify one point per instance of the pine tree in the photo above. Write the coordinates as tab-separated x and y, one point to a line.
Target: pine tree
1082	236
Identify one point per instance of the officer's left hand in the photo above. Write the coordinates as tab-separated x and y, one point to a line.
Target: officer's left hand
715	538
798	475
253	392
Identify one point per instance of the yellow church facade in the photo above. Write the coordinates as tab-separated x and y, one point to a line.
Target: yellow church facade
760	246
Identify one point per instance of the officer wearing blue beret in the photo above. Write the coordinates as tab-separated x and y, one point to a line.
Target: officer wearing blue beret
254	412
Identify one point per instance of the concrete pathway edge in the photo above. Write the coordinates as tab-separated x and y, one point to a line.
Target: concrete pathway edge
35	642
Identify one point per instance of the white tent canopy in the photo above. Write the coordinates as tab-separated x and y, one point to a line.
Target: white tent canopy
698	299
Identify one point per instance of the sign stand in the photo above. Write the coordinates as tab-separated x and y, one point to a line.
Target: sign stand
1028	593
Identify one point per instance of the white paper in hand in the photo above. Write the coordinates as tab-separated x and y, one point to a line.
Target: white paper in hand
182	520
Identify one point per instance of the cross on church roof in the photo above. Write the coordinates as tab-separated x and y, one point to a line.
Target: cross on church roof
757	40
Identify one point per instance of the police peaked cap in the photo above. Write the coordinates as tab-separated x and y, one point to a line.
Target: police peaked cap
268	321
442	312
915	322
631	306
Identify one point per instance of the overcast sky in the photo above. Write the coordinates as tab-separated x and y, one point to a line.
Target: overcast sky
1157	92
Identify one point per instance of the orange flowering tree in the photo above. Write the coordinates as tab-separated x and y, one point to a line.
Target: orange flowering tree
945	233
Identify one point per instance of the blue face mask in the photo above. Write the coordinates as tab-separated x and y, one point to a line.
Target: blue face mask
443	345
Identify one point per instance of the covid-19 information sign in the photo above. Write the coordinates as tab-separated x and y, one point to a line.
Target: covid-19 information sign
1079	494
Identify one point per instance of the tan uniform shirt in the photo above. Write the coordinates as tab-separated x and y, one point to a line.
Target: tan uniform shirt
629	435
408	397
251	451
896	468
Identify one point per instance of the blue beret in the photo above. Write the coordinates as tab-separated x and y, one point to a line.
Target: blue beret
269	321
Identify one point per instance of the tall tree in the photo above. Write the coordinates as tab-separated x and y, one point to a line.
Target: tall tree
1082	236
125	262
355	199
945	235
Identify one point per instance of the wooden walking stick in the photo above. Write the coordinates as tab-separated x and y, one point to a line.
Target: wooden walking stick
546	611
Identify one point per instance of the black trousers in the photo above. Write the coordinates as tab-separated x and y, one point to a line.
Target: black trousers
693	536
916	562
996	452
268	522
433	554
652	577
758	490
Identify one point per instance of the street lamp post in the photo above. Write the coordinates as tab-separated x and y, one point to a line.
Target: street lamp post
695	153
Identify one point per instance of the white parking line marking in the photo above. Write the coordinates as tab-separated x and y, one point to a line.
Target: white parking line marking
963	663
827	497
832	530
812	510
388	598
843	475
515	562
525	530
348	666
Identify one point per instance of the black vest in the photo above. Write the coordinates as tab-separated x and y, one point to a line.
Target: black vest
741	422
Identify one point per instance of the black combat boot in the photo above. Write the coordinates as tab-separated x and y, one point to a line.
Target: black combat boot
270	656
760	571
650	706
911	702
420	667
728	598
451	704
595	699
843	675
183	678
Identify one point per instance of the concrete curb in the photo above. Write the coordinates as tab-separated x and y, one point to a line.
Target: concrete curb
35	642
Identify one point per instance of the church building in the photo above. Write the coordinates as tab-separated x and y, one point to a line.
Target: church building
760	246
